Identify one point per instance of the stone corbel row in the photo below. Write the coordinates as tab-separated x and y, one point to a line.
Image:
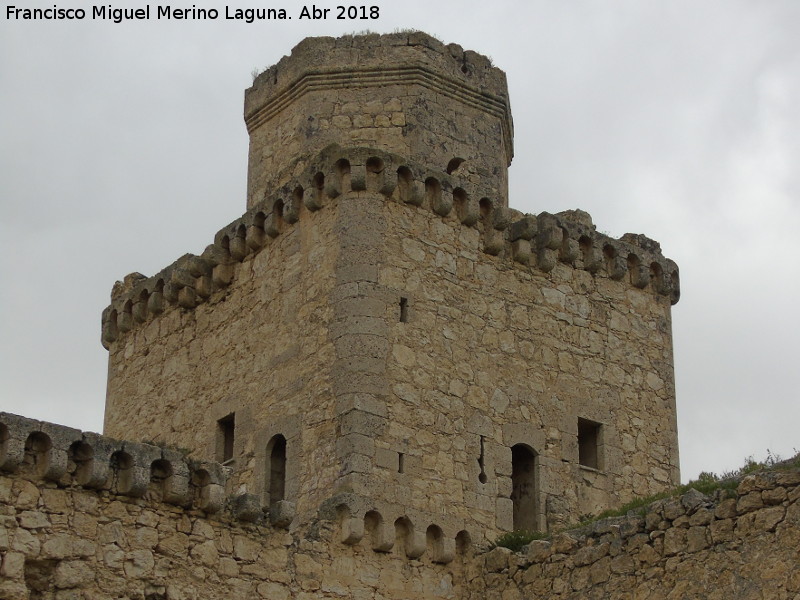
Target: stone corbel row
388	528
536	241
188	281
69	457
192	279
545	240
337	171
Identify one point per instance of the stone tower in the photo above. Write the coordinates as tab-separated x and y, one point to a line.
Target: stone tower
380	337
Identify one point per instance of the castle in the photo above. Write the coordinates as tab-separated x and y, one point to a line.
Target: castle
380	331
377	369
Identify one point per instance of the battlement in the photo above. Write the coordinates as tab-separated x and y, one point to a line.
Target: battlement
69	457
45	452
534	241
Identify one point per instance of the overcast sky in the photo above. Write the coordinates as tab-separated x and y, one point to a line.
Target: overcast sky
122	147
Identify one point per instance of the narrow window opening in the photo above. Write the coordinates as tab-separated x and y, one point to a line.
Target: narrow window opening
482	477
277	469
225	436
401	460
523	487
404	310
589	443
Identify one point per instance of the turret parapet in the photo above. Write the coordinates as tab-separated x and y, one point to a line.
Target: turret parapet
68	457
536	241
405	93
315	57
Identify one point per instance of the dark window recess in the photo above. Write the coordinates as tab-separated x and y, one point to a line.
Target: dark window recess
277	469
523	487
404	310
589	443
225	433
401	460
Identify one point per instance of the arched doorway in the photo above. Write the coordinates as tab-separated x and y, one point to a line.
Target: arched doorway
524	487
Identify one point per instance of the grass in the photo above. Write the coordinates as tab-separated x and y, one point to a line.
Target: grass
706	483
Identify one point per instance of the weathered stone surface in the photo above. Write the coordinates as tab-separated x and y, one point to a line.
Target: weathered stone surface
697	538
703	516
722	531
564	543
685	561
370	350
768	518
750	501
538	550
12	565
497	560
692	500
774	496
623	564
205	553
673	509
726	509
674	541
32	519
73	573
589	554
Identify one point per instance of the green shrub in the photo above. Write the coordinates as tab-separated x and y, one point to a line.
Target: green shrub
515	540
706	483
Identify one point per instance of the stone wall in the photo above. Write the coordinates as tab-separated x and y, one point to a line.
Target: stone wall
498	351
746	547
76	523
404	332
241	330
67	543
87	517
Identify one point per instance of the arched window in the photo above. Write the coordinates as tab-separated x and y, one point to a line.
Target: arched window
523	490
276	451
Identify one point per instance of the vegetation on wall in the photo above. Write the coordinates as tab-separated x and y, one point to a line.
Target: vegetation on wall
706	483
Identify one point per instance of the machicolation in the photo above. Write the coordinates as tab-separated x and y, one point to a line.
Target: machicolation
539	241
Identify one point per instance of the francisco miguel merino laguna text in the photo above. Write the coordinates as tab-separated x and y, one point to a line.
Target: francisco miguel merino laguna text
249	15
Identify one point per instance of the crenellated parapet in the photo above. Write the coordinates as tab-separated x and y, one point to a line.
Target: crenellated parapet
388	527
67	457
316	63
537	242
